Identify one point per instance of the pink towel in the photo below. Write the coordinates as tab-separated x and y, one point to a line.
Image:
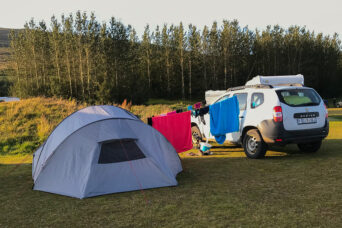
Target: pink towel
176	128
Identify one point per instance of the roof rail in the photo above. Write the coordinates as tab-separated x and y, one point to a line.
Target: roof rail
259	86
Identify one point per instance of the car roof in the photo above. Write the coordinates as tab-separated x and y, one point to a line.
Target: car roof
263	89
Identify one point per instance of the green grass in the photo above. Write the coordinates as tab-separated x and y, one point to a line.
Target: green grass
293	190
335	114
288	189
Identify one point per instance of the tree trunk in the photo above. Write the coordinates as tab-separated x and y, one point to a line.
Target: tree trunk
69	71
88	71
116	74
81	71
149	73
168	75
74	73
183	97
214	74
205	73
57	63
190	89
225	70
35	66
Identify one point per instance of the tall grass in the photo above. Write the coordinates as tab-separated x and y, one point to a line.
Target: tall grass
26	124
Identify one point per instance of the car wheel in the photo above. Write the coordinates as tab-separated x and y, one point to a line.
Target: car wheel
311	147
254	145
196	136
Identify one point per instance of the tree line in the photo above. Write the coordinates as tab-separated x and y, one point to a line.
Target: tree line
79	57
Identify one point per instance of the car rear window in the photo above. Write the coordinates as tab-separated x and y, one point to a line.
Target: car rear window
299	97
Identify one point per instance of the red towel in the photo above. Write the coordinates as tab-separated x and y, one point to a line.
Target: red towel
176	128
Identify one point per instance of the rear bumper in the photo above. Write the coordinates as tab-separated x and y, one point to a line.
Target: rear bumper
275	133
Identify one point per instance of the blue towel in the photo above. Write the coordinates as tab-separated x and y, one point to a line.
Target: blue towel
224	118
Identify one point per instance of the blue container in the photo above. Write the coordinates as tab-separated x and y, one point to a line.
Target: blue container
204	147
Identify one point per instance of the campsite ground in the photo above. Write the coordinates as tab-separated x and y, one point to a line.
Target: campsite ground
287	188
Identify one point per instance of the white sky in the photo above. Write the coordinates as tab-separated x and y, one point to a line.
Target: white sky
318	15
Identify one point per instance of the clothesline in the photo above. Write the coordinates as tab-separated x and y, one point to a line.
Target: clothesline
176	125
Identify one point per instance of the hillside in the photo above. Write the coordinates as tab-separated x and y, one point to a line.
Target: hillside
24	125
4	40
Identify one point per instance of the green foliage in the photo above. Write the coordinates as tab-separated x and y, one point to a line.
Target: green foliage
83	59
4	86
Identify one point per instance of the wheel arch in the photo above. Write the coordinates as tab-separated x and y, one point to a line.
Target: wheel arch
247	128
194	124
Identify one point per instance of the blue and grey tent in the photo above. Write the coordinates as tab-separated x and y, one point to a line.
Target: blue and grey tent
101	150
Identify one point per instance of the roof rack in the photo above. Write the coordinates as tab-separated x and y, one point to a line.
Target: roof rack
259	86
291	84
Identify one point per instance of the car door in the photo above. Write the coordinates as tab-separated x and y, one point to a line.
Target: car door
242	98
206	127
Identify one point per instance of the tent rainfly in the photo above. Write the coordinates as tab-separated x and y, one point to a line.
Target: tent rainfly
101	150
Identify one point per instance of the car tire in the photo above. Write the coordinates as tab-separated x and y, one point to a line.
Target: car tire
196	136
311	147
254	145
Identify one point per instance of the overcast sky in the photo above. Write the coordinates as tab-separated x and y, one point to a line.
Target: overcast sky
318	15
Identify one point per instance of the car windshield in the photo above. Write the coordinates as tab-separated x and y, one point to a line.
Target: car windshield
299	97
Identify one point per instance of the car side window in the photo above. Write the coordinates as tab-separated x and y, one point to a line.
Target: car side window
257	100
242	98
223	98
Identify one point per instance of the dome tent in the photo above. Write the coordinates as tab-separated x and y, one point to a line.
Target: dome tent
101	150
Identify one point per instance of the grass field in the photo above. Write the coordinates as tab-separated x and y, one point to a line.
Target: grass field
286	189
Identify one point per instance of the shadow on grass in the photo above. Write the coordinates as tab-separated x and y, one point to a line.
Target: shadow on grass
329	148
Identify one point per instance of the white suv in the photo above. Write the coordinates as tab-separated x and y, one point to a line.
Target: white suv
273	110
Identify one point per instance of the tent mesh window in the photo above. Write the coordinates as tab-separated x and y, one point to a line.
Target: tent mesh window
119	151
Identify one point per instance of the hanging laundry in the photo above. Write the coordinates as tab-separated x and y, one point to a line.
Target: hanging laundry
224	118
198	105
201	111
176	128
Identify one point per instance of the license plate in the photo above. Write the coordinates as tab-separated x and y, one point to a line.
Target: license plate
307	120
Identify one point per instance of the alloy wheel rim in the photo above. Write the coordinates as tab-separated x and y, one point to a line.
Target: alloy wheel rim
252	144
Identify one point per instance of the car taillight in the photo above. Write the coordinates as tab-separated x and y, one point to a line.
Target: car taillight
326	112
277	114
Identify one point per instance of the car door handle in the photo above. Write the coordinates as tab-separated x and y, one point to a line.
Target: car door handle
241	117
